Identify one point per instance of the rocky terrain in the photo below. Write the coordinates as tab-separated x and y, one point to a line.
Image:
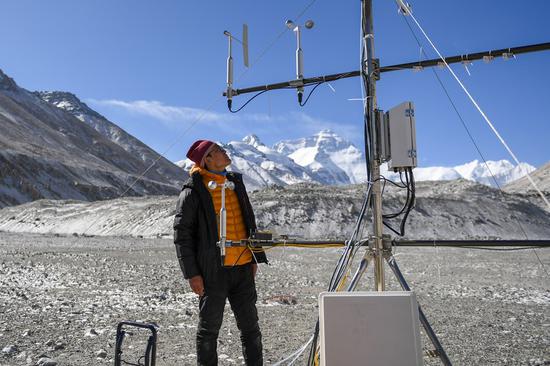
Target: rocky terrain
89	265
61	298
541	177
444	210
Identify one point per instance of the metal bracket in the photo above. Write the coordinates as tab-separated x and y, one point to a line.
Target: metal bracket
376	68
296	83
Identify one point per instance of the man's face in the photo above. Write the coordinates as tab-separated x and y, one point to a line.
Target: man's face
217	159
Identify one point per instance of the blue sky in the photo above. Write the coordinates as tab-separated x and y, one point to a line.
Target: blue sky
153	67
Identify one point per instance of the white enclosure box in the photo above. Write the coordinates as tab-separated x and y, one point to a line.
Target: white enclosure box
369	329
402	133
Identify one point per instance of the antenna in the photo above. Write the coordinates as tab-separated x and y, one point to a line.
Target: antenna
229	91
299	56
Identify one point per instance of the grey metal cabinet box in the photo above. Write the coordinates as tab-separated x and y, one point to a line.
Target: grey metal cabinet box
402	133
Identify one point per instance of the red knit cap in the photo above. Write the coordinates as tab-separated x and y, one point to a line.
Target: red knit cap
198	151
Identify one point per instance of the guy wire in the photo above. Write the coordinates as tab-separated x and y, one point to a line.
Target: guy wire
470	135
474	102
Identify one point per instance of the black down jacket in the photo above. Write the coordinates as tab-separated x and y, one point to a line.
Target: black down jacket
196	229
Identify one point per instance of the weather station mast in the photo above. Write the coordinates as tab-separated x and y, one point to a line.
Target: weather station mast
390	137
353	326
369	80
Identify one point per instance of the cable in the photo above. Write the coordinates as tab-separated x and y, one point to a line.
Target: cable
407	208
229	106
311	92
394	215
392	182
294	356
497	134
244	105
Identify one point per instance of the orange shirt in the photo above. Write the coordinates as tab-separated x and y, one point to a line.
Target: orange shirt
235	226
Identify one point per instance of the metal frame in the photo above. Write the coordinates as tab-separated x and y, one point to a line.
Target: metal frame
397	67
150	350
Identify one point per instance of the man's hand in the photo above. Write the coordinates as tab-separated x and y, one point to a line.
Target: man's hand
197	285
254	269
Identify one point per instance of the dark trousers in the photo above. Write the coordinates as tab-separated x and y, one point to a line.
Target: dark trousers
236	284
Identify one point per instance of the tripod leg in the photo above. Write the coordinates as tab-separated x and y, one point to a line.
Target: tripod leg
429	331
359	273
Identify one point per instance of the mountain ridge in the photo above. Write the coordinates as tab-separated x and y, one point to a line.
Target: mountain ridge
47	152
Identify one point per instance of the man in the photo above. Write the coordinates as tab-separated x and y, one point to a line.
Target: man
195	236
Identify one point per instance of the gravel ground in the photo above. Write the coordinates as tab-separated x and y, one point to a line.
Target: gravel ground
62	297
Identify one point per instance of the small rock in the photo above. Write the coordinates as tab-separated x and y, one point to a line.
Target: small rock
45	361
10	350
26	333
101	353
91	333
283	299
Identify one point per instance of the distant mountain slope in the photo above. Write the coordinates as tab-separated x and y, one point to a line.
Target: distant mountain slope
46	152
70	103
444	210
541	177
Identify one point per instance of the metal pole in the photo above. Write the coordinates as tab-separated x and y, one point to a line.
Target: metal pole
359	273
473	243
427	327
223	225
368	58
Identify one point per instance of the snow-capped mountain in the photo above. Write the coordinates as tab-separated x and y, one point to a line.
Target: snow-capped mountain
501	171
46	152
260	165
330	158
326	158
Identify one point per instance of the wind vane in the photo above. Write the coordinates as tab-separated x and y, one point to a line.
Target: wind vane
229	91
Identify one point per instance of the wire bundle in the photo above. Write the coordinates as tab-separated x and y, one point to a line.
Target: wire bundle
409	202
